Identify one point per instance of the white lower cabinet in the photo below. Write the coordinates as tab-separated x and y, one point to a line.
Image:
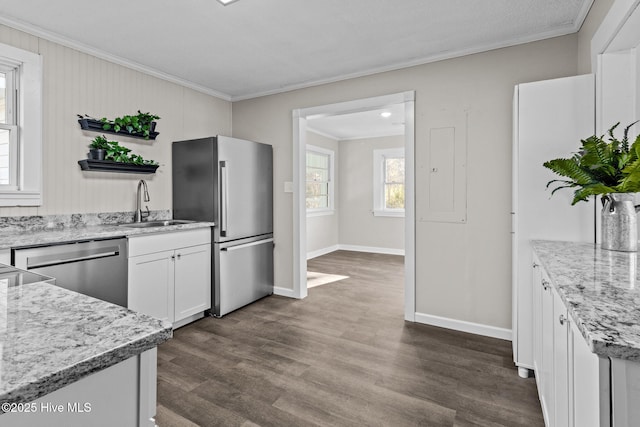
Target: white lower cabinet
589	390
192	281
572	381
5	256
121	395
151	284
170	275
560	360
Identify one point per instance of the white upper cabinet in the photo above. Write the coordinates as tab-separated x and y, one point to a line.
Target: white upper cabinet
550	118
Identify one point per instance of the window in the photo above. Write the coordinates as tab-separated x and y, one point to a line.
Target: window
319	188
8	129
20	127
388	182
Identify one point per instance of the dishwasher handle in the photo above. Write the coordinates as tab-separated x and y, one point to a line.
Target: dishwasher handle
45	261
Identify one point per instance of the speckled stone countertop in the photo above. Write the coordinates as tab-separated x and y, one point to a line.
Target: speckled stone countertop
601	290
20	238
51	337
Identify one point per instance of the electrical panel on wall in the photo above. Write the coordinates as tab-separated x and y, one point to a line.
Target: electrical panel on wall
444	168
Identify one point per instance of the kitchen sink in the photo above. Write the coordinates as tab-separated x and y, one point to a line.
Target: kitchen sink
148	224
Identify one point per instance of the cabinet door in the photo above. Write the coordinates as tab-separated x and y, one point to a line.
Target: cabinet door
537	318
560	361
192	281
549	117
151	284
5	256
545	378
588	384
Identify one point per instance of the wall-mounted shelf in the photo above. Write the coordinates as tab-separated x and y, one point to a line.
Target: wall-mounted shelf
96	126
110	166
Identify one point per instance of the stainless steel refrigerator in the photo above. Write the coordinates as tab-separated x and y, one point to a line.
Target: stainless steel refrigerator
229	181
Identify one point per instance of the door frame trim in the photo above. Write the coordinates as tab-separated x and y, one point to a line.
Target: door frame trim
299	209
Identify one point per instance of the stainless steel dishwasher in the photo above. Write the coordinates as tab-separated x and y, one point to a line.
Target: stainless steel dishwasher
97	268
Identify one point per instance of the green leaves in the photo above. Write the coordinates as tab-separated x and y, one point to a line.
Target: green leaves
117	152
100	142
139	124
600	167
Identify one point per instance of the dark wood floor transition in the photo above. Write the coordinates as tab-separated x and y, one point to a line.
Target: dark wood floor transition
343	356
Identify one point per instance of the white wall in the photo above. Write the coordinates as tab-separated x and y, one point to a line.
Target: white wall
353	225
77	83
322	231
597	13
463	270
358	226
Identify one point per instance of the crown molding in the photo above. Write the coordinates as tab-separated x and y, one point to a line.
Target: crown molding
81	47
441	56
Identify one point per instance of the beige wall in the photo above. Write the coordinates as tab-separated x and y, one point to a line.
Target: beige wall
358	226
322	231
353	223
77	83
463	270
597	13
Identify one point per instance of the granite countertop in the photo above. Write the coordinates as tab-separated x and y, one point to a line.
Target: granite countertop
21	238
601	290
51	337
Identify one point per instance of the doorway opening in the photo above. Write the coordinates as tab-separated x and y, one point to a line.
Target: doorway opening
321	203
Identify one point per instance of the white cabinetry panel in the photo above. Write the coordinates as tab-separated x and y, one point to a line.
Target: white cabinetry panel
170	275
5	256
588	387
550	119
560	361
573	382
192	281
151	285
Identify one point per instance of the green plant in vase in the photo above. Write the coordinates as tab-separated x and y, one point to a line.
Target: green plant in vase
600	167
98	147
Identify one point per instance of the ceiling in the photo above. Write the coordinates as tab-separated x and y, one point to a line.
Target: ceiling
258	47
358	125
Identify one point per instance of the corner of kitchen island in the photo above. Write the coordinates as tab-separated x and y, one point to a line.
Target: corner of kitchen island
71	360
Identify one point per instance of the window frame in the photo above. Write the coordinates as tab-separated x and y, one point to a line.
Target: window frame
329	210
27	159
11	76
379	160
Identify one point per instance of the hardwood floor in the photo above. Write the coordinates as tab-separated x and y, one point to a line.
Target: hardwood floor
343	356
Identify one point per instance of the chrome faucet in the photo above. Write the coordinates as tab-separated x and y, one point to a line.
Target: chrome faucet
139	214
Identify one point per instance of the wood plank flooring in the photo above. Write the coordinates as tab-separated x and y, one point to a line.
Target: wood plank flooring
343	356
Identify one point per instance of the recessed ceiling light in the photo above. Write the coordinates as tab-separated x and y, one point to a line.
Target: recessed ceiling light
226	2
385	114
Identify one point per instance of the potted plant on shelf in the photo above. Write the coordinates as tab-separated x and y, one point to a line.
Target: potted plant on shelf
98	148
142	123
116	158
612	169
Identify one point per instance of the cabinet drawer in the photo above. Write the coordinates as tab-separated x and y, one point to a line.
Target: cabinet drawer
158	242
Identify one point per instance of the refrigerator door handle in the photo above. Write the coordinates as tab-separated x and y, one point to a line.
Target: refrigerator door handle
246	245
223	198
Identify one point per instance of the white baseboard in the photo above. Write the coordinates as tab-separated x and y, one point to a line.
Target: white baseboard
284	292
371	249
463	326
323	251
355	248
